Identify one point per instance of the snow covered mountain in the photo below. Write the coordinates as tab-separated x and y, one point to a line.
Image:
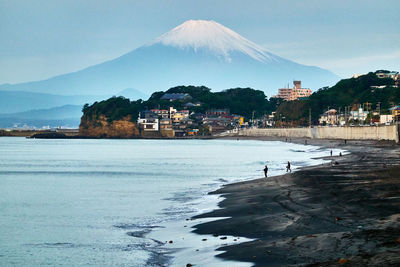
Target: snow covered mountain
196	52
200	34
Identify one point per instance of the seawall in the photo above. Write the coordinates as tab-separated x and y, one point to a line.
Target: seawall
390	132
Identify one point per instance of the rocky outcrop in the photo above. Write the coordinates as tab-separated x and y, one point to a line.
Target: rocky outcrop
101	127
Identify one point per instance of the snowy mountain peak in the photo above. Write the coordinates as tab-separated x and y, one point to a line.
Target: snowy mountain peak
198	34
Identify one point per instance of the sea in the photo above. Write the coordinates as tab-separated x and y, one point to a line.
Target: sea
83	202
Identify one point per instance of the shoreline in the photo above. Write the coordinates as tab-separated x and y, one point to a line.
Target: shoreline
327	214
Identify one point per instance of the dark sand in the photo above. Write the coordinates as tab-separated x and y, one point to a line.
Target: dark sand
345	214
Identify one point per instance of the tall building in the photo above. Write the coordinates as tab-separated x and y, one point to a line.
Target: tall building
290	94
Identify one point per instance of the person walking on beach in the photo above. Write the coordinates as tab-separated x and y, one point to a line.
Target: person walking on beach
288	167
331	153
266	170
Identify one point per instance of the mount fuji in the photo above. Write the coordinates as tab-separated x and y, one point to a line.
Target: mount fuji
196	52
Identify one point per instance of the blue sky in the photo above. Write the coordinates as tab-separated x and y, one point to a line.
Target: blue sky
44	38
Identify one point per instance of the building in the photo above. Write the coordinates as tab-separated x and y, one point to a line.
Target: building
177	116
358	114
329	117
396	113
193	132
163	113
190	104
386	74
176	96
148	121
355	76
385	119
218	112
391	75
165	123
290	94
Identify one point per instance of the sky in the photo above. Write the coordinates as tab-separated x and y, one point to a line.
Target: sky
44	38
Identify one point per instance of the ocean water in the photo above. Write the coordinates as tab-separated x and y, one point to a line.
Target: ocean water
119	202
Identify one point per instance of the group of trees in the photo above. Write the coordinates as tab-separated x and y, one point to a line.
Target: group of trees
242	101
114	108
250	102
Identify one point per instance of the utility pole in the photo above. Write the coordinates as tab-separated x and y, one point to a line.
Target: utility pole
379	108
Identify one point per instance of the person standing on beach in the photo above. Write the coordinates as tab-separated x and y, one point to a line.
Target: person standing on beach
331	153
288	167
266	170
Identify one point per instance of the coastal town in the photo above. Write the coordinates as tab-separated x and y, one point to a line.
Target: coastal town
180	123
187	122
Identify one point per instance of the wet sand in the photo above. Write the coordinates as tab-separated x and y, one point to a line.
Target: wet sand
346	213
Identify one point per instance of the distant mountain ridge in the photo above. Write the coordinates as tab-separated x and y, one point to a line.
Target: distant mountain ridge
196	52
20	101
63	112
64	116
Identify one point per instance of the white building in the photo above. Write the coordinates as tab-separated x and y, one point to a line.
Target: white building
359	114
385	119
329	117
148	121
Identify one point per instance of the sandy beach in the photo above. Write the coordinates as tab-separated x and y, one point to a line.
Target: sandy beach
344	212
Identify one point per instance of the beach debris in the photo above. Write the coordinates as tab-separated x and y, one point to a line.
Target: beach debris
189	265
171	242
223	238
215	235
343	260
204	239
337	218
235	239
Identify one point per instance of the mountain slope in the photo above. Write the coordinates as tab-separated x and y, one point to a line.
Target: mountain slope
196	52
63	112
67	116
19	101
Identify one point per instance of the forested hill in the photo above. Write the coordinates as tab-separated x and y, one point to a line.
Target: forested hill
367	88
242	101
249	102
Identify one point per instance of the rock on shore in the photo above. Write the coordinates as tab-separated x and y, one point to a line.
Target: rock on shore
101	127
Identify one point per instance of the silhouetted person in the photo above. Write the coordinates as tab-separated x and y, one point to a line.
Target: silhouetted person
288	167
266	171
340	154
331	153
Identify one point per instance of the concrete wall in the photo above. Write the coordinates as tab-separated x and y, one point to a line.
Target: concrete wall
349	133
